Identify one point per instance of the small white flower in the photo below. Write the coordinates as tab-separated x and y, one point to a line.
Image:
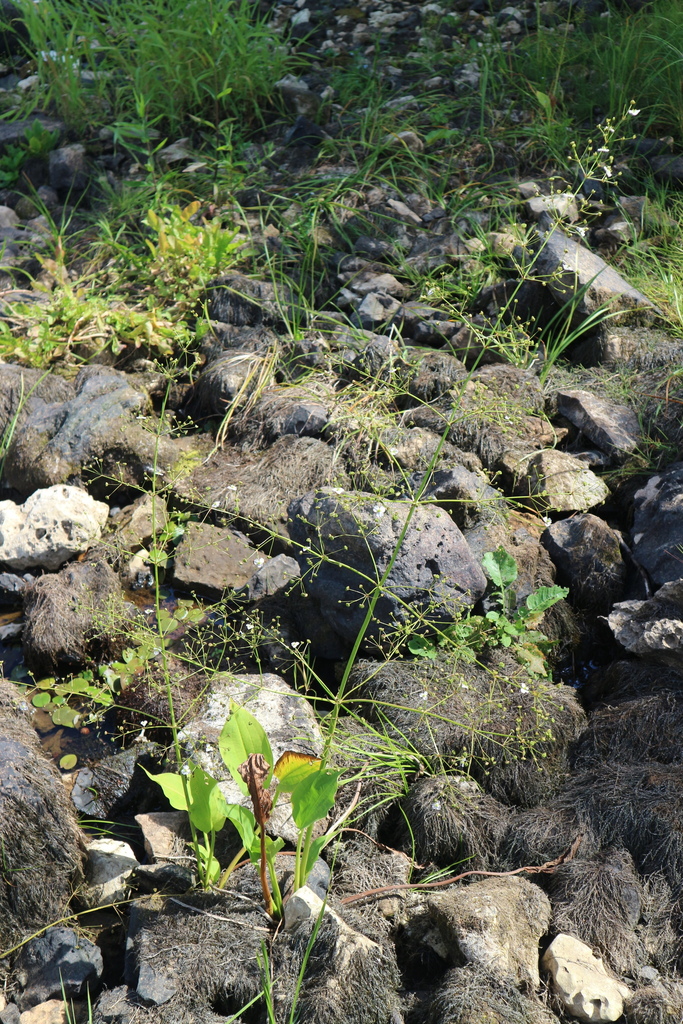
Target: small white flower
258	562
186	770
378	510
248	626
524	688
231	487
295	644
424	695
338	490
436	805
603	149
633	111
464	686
581	231
607	171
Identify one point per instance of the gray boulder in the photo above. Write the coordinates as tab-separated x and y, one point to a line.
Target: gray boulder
345	542
52	526
570	269
658	525
588	557
496	924
97	429
653	627
56	965
613	428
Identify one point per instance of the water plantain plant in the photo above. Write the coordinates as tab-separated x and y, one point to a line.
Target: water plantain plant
246	752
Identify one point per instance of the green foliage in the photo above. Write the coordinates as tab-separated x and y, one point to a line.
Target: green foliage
11	162
509	625
312	789
200	61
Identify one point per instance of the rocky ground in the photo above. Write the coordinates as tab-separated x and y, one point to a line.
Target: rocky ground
381	444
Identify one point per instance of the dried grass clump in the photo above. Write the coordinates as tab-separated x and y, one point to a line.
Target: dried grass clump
509	731
39	836
540	834
447	820
636	806
471	996
256	488
645	729
74	616
655	1005
629	680
599	901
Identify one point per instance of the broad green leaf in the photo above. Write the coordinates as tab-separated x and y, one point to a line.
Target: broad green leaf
243	820
313	798
422	647
210	866
207	803
500	567
241	736
292	768
313	853
41	700
172	785
544	598
68	761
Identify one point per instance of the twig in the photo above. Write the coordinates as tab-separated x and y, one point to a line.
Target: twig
547	869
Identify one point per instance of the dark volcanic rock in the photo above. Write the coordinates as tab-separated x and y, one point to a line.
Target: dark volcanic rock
658	525
588	557
346	541
58	965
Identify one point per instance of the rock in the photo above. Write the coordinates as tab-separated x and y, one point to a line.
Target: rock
38	829
495	924
109	786
69	170
467	496
298	97
588	557
581	983
653	627
53	1011
569	269
613	428
210	560
8	218
136	525
165	834
409	140
243	302
55	964
285	715
109	865
226	383
559	482
52	526
97	428
11	1014
558	205
73	615
668	168
345	542
657	532
277	573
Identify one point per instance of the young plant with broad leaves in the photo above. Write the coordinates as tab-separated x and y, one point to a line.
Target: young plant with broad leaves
246	752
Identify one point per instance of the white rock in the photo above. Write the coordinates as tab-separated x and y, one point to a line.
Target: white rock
304	904
52	526
581	981
8	218
110	863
